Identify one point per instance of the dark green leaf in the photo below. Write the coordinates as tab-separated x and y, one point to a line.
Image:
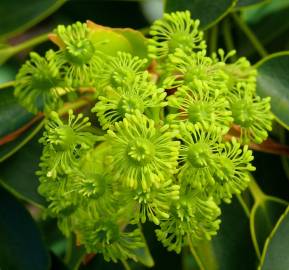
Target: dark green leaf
12	115
17	16
56	263
273	81
275	253
11	147
18	172
270	8
231	248
248	3
21	246
207	11
144	256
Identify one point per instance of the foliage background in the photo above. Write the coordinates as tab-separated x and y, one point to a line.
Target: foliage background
253	234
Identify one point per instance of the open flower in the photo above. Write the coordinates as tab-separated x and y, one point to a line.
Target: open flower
92	183
155	203
139	95
64	143
106	236
38	83
232	173
240	71
193	218
196	106
196	70
143	155
251	113
197	155
77	55
175	30
118	71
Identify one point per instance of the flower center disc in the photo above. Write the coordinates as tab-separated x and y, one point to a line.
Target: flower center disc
65	137
141	151
179	40
80	52
242	114
200	112
199	155
130	105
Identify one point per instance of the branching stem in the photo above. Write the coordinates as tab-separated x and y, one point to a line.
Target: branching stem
255	190
195	255
250	35
125	265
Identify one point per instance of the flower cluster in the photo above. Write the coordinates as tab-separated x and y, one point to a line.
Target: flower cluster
166	153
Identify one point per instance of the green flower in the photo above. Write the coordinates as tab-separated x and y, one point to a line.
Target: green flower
251	113
118	71
232	173
94	186
193	218
64	144
155	202
175	30
197	71
197	106
38	83
240	71
62	202
142	155
198	155
106	236
77	54
140	95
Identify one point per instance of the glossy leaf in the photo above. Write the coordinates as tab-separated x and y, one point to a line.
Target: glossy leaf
17	16
17	173
249	3
17	126
14	141
207	11
12	115
119	39
275	253
263	218
136	39
273	81
262	11
231	248
21	246
144	256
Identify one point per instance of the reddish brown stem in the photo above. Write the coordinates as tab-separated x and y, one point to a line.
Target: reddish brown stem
15	134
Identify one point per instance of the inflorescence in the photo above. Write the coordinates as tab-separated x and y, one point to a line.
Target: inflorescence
166	155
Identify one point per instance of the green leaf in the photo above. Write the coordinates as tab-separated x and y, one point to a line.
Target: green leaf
231	248
17	126
76	254
21	246
11	147
264	215
143	254
250	3
273	81
259	13
207	11
17	173
12	115
17	16
275	253
136	39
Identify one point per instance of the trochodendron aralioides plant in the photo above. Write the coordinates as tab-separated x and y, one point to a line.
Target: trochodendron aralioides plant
157	144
